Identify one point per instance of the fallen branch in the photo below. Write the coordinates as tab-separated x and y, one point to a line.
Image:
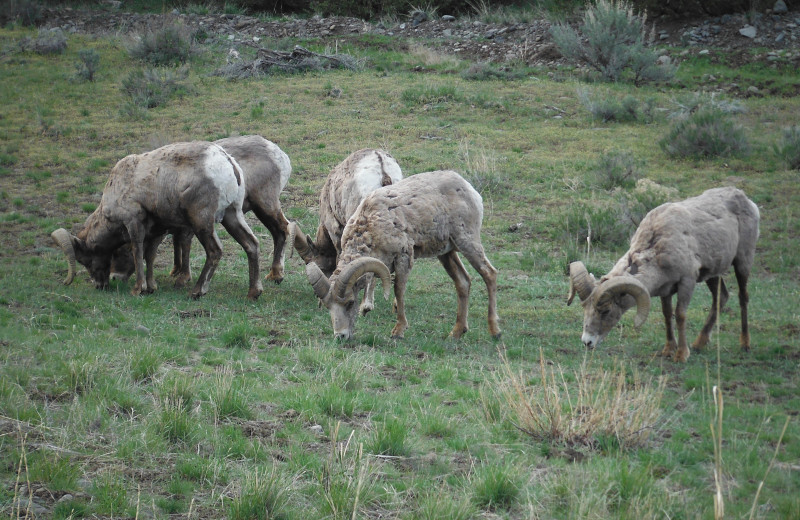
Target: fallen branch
300	59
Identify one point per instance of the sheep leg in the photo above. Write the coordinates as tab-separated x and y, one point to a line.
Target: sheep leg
150	250
234	223
210	241
181	267
400	280
278	227
452	264
713	285
685	290
368	302
744	297
136	234
666	309
476	256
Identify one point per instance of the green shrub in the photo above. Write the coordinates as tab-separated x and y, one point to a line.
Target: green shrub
709	132
616	169
150	88
788	150
87	66
47	41
599	224
608	108
634	205
612	40
169	45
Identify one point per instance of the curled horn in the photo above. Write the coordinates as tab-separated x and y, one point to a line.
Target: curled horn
64	240
290	237
298	240
580	282
358	268
626	284
319	282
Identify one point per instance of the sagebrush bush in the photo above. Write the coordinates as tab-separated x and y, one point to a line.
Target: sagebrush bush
150	88
47	41
598	224
709	132
608	108
169	45
788	150
612	40
616	169
647	195
86	68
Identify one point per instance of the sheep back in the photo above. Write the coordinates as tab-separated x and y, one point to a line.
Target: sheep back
424	215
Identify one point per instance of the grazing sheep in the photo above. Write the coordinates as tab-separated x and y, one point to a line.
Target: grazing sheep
266	170
176	187
676	246
349	182
429	214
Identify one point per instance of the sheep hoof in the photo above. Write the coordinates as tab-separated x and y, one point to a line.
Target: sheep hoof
364	309
682	355
274	276
253	294
700	342
136	291
497	336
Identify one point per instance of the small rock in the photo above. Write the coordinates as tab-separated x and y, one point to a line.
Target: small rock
515	227
447	33
663	36
36	508
175	11
753	89
663	60
231	37
780	37
748	31
703	52
448	18
316	429
66	498
417	17
141	329
780	7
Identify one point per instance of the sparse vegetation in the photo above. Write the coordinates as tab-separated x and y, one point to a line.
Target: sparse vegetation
86	68
159	405
614	41
707	133
168	45
788	150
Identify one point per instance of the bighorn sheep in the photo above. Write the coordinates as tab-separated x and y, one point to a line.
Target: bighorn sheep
266	170
429	214
178	186
349	182
676	246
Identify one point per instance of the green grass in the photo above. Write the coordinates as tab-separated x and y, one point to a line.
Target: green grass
161	404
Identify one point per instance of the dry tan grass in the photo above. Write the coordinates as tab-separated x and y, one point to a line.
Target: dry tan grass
597	403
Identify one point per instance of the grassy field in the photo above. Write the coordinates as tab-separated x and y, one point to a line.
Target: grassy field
115	406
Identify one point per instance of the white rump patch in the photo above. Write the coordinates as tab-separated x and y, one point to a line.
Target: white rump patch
219	167
281	160
367	173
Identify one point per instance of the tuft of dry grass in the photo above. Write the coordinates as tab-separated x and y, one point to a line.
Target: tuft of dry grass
582	407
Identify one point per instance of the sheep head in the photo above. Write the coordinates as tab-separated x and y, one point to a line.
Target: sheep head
98	265
606	301
339	296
